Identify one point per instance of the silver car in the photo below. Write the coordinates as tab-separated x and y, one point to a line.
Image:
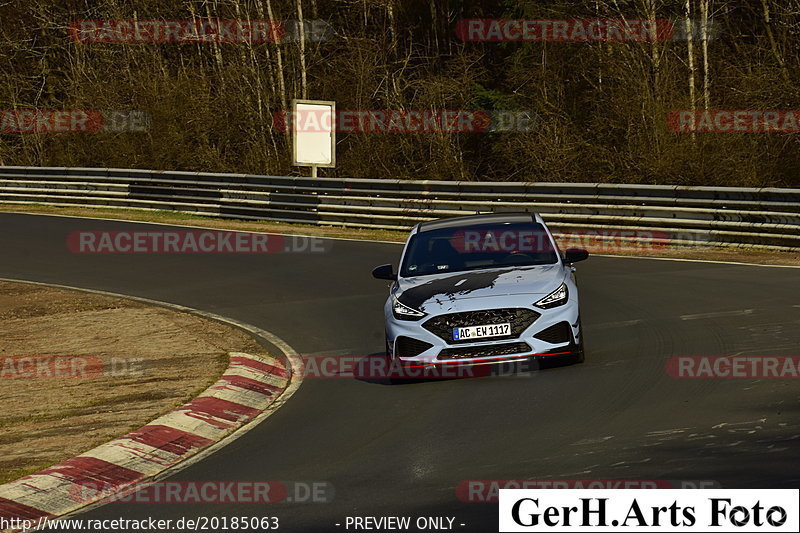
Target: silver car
482	289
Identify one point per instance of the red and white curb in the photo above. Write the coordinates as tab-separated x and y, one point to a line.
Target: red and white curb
246	390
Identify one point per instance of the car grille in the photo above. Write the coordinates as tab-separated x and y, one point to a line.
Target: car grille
555	334
490	350
408	347
519	318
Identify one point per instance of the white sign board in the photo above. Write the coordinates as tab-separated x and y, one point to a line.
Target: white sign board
312	123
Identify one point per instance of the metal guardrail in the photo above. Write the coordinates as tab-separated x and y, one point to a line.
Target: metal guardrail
720	216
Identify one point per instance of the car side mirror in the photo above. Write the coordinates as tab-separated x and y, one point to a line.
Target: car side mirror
384	272
573	255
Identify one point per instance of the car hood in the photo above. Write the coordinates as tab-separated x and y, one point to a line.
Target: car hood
442	290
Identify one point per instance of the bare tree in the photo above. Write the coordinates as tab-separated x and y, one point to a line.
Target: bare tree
772	42
302	48
276	37
687	9
704	6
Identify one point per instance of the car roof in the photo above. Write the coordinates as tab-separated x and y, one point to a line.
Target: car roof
490	218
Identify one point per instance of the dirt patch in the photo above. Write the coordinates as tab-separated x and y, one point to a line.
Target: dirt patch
78	369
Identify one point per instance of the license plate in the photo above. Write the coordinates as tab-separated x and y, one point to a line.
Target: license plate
481	332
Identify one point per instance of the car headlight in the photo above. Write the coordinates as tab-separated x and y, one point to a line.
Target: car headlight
555	298
404	312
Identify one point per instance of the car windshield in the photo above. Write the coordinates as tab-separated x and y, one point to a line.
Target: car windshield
475	247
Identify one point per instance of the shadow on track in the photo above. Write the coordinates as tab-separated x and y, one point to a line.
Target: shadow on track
377	368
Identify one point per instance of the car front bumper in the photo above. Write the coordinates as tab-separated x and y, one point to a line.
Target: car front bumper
553	333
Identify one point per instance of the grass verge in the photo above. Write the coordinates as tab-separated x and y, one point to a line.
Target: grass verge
79	369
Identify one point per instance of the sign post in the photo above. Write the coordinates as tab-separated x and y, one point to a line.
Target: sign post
314	141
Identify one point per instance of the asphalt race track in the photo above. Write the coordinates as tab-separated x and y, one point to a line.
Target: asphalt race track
401	450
